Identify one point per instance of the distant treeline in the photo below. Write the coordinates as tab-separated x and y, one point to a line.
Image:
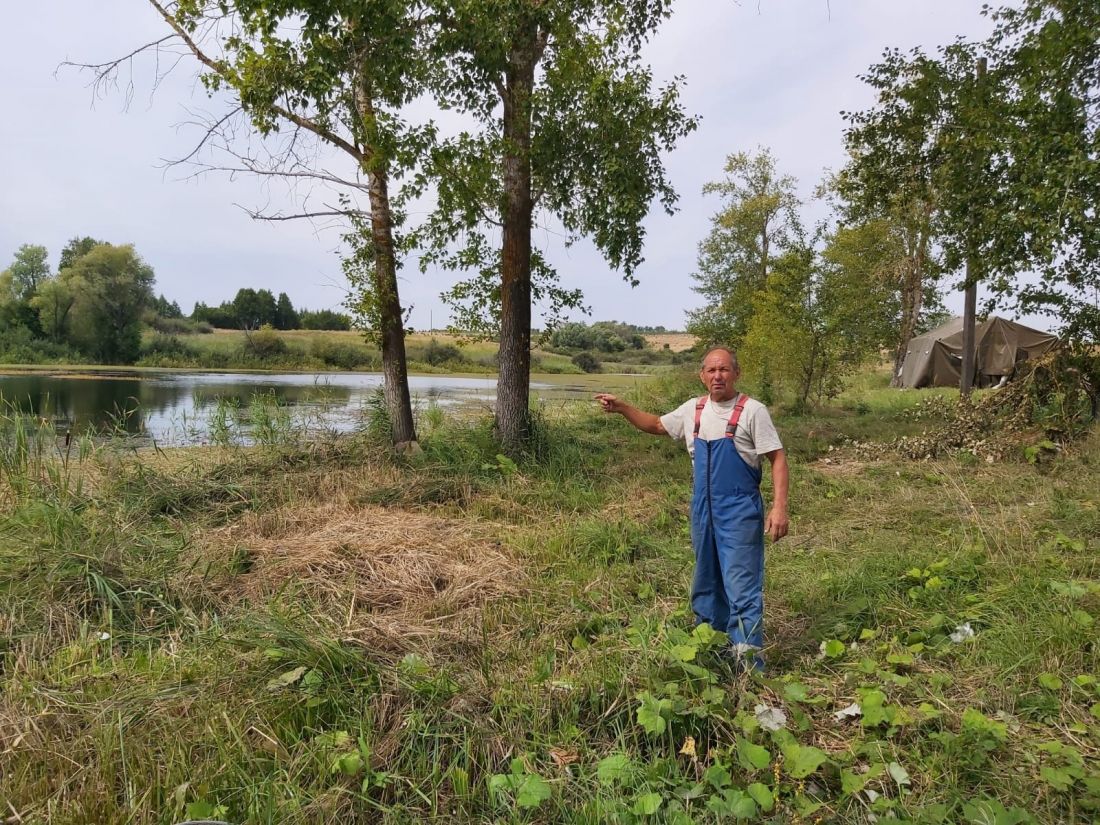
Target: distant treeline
254	308
98	303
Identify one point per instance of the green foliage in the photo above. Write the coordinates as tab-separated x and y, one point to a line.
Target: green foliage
343	355
110	287
266	343
816	321
286	317
166	309
1017	140
254	308
437	354
324	319
519	695
75	249
757	222
29	269
587	362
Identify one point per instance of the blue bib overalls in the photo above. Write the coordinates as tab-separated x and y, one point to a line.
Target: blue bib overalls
727	532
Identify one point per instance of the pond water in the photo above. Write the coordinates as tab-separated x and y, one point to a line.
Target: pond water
186	408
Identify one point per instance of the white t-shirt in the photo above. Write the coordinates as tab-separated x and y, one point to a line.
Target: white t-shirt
755	434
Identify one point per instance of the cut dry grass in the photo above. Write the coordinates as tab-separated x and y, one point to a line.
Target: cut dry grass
398	579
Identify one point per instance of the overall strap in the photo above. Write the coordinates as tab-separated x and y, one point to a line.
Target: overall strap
702	402
731	427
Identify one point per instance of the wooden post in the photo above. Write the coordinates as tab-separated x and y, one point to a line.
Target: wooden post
970	302
969	311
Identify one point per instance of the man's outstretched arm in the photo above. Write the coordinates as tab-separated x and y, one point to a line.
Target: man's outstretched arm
777	523
646	422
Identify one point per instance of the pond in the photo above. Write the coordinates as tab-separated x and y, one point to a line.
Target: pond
187	408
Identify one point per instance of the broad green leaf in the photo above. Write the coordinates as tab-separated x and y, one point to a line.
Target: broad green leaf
833	648
287	679
332	739
752	757
871	705
614	768
1057	778
795	692
1050	681
1082	619
348	764
707	635
763	795
532	791
802	760
650	713
899	774
852	783
647	804
683	653
718	776
741	805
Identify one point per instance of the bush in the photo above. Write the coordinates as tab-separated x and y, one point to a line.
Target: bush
173	326
167	347
19	346
266	343
587	362
438	354
343	354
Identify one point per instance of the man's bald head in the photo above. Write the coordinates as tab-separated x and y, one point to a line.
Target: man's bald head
727	350
719	373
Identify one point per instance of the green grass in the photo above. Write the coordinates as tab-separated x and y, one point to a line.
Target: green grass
146	678
315	350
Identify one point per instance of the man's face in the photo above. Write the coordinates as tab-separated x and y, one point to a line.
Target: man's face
719	375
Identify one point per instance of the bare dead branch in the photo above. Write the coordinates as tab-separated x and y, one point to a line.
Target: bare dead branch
222	70
258	215
212	130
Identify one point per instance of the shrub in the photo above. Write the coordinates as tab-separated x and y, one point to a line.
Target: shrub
343	354
438	354
162	346
19	346
587	362
172	326
266	343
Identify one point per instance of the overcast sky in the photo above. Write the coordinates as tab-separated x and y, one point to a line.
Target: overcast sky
775	73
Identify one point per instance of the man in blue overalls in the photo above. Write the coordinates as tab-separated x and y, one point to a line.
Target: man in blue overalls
727	434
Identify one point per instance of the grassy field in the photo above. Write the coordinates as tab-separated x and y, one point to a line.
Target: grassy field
311	350
315	632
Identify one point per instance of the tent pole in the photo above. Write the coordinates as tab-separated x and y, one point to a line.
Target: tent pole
971	301
969	311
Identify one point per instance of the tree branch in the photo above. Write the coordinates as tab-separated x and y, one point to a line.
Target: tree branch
220	69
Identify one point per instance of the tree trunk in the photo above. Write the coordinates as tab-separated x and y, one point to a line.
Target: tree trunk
513	418
391	326
912	299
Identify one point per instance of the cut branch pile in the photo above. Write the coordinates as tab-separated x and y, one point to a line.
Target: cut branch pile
1053	401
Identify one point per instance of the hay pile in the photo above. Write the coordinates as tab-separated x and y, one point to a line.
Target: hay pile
392	578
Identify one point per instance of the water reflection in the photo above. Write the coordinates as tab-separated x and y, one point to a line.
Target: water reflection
176	408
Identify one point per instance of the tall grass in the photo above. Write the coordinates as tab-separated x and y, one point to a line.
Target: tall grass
155	667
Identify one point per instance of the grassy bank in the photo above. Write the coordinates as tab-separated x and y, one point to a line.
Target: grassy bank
309	350
315	632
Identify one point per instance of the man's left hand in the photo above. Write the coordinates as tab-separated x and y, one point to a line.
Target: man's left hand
776	524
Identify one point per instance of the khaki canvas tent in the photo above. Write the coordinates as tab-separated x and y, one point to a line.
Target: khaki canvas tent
935	358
